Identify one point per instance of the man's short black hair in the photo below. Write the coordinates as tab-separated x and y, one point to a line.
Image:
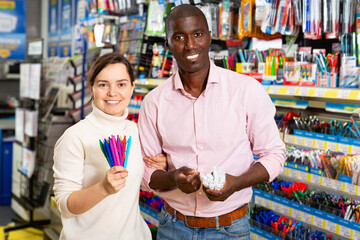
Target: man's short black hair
182	11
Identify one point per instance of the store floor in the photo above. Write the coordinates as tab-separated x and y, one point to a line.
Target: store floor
6	215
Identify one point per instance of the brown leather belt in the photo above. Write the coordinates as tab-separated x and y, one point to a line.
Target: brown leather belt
202	222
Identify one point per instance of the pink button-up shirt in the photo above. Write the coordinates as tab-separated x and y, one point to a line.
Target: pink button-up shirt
229	122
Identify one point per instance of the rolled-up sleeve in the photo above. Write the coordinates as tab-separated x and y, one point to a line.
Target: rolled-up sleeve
149	136
68	170
264	134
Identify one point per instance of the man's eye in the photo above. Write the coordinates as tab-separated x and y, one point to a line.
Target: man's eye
198	34
178	37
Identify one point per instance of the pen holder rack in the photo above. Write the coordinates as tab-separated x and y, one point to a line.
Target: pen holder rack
327	78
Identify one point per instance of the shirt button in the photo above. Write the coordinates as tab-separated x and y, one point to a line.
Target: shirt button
200	193
199	124
200	147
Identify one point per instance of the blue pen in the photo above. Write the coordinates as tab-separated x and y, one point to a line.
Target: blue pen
108	152
127	151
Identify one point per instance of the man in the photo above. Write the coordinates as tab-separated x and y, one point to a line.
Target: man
203	117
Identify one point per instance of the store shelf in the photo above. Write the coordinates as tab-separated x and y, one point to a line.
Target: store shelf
149	215
319	92
315	176
149	82
309	215
259	234
323	142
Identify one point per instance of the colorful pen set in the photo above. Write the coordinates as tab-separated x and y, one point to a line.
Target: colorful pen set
341	206
284	227
116	150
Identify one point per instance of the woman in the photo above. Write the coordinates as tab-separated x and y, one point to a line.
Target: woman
97	202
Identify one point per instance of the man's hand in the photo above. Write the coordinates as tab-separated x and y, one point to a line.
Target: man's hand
187	180
222	194
158	162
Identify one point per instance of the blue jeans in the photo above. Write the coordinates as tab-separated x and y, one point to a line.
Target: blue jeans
171	228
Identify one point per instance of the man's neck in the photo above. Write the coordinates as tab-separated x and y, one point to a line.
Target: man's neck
194	83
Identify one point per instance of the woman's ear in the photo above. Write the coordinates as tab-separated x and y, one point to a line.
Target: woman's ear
91	90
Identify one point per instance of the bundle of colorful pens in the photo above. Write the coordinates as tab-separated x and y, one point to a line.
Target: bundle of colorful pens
285	228
116	150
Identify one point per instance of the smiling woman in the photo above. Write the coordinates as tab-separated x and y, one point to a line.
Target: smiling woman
91	197
112	89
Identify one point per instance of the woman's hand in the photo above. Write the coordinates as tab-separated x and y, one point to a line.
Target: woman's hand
115	180
158	162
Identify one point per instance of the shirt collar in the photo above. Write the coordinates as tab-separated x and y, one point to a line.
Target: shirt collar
212	78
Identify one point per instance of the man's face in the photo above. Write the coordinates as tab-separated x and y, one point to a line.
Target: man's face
189	40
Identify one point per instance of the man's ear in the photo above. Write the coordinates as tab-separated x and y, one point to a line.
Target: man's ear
167	44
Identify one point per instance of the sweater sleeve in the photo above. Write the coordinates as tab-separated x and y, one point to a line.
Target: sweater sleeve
69	155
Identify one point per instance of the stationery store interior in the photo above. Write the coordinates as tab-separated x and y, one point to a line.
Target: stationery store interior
304	53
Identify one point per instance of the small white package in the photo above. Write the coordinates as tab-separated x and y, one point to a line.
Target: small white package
214	181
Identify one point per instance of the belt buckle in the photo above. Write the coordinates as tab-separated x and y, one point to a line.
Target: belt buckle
187	224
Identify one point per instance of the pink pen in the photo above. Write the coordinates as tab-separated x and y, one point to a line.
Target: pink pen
119	145
115	150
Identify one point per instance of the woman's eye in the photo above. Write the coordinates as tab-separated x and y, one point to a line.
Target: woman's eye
122	84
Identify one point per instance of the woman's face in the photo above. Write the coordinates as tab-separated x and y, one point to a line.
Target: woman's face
112	89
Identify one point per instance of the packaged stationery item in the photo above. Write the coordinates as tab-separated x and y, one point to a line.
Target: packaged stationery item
214	181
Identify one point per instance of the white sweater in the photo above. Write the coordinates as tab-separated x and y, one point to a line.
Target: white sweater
80	163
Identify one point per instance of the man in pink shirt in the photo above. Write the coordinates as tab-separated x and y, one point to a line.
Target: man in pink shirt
203	117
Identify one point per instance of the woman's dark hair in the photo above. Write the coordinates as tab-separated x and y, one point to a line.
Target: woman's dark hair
106	59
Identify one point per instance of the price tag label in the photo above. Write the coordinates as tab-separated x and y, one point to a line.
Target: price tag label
356	235
309	142
266	203
338	185
306	218
285	210
344	148
302	176
320	144
299	140
349	188
331	145
315	179
330	226
258	200
319	222
303	91
291	91
319	92
151	82
292	173
327	182
273	89
355	149
296	214
276	207
343	93
289	138
344	231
